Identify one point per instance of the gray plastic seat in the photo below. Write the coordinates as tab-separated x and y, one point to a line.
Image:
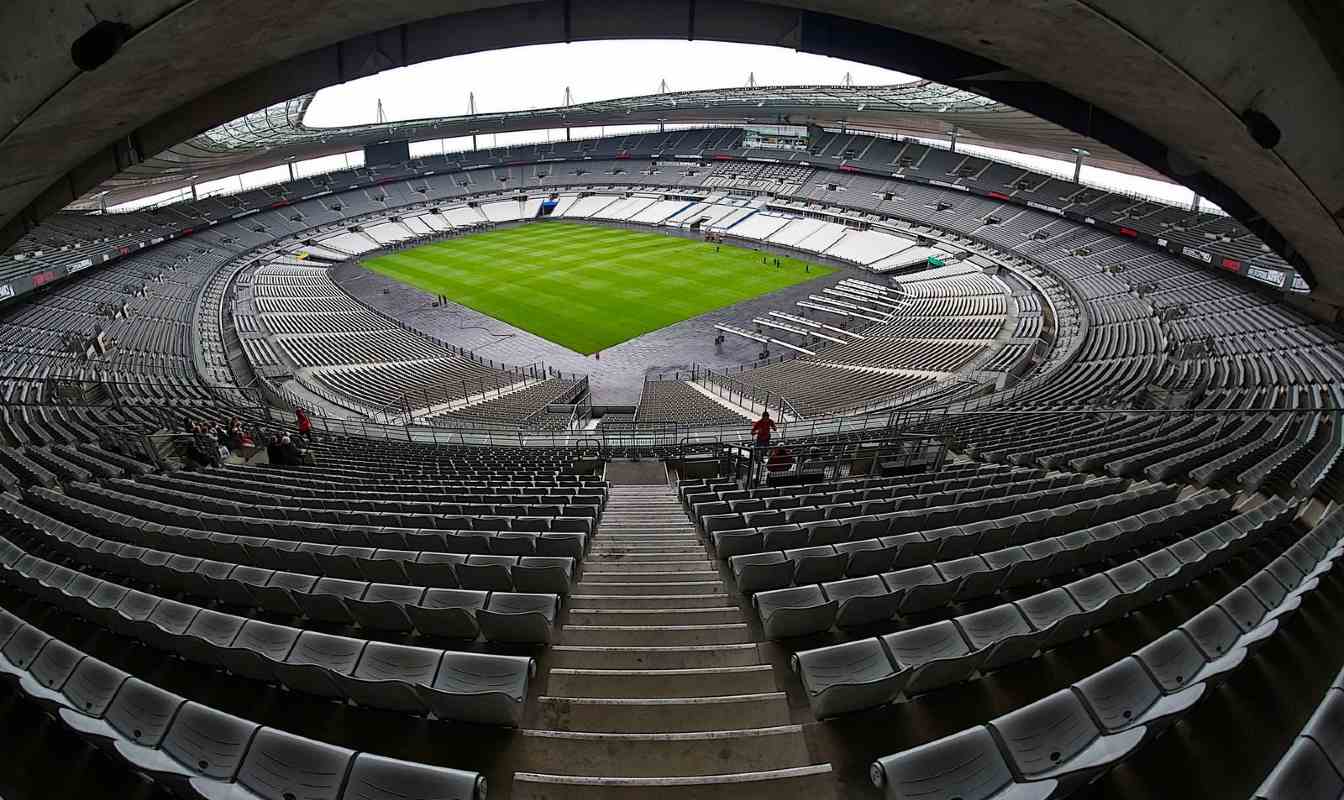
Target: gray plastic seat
522	617
866	557
475	687
379	778
278	594
201	742
1055	738
49	671
546	574
315	660
757	572
435	569
209	636
816	564
798	611
1124	695
912	550
1137	585
977	577
140	714
862	601
1099	599
1217	634
491	573
257	647
385	676
279	766
1002	632
937	654
1326	726
22	649
383	606
1176	662
738	542
92	686
848	677
448	612
964	766
1304	773
1166	570
326	600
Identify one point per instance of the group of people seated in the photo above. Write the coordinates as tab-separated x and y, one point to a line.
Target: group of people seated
211	444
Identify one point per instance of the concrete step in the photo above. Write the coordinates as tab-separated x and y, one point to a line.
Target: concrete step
658	657
686	546
648	635
654	616
647	755
656	601
644	557
665	714
591	568
811	782
652	538
649	683
631	576
604	587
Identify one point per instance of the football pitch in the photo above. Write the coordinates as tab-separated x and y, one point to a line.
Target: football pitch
587	287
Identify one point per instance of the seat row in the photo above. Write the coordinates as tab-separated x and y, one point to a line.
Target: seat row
1011	520
1053	747
409	502
428	567
195	750
221	484
906	513
875	671
1314	764
503	616
435	515
252	530
961	476
471	687
726	515
806	610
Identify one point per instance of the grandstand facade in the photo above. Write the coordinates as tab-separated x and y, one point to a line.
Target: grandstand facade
1051	511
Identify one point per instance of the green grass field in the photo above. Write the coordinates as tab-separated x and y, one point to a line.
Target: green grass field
587	287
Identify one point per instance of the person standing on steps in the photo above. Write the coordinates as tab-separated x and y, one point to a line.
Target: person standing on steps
760	432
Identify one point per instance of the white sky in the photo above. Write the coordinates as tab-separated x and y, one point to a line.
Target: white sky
536	77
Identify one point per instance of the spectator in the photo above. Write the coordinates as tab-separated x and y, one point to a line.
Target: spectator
780	460
273	449
290	454
760	431
305	424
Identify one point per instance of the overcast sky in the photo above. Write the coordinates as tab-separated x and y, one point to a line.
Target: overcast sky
536	77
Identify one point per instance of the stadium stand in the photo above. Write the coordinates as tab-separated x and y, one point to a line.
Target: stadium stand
1131	505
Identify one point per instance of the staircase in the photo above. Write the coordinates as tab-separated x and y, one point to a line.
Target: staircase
656	689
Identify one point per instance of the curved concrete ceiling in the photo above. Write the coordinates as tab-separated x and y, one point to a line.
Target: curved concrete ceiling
276	134
1165	83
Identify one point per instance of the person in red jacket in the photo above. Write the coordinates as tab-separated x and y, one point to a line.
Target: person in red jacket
760	432
305	424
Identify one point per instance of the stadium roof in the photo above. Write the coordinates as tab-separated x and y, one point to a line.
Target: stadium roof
1242	102
277	134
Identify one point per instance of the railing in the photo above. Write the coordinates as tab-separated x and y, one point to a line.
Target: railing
748	396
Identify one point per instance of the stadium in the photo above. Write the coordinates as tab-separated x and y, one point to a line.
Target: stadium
425	457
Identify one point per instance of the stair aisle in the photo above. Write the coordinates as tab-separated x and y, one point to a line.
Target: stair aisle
656	689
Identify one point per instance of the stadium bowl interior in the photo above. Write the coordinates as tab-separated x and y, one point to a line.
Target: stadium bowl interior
440	473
